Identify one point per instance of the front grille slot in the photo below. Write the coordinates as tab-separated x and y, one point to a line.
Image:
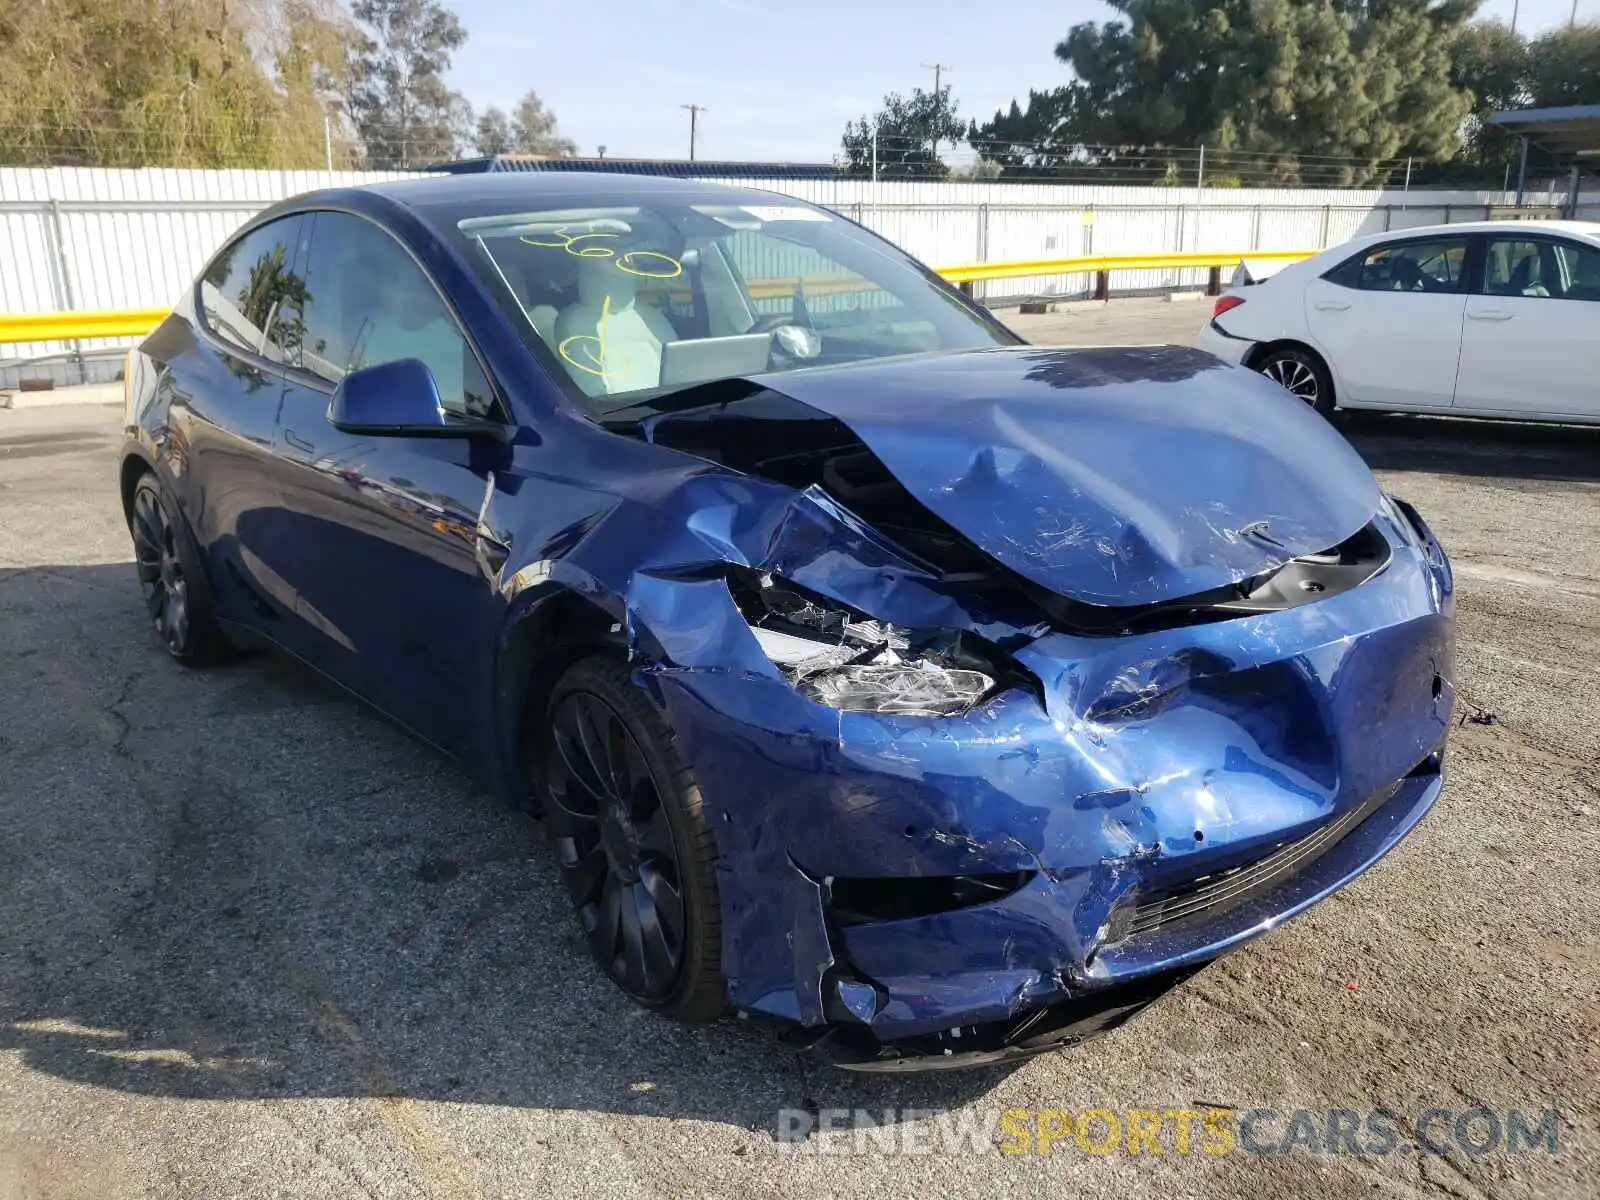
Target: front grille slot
1220	890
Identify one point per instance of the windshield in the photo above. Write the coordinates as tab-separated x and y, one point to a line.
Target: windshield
647	298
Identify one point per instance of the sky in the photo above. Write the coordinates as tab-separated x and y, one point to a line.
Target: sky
778	79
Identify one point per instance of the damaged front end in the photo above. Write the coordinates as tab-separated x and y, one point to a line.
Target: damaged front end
854	664
1001	729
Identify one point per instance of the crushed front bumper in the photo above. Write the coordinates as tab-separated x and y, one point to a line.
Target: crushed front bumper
1228	775
1129	972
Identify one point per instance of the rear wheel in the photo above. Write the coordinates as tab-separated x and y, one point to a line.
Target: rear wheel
1302	374
171	579
624	818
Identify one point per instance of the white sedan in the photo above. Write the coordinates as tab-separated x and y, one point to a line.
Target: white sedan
1492	319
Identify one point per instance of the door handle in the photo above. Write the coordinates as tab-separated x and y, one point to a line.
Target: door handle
298	442
1488	314
1332	305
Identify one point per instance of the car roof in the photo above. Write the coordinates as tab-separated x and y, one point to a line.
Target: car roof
1589	230
594	187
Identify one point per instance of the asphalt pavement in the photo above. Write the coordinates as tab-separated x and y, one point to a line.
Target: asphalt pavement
256	942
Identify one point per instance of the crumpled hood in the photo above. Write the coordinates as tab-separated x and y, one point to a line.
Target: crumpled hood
1111	476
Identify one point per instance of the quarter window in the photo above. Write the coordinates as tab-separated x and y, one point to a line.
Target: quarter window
251	293
368	302
1434	266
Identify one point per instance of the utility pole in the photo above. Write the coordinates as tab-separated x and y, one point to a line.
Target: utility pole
1516	7
938	69
694	114
1573	19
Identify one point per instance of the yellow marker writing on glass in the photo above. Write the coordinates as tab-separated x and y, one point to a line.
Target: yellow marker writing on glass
647	264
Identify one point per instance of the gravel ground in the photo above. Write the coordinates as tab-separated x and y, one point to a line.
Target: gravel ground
255	942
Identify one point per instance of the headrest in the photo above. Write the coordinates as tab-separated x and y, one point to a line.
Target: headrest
599	278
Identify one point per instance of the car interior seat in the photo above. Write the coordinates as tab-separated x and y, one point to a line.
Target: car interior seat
543	318
1521	275
608	341
1406	274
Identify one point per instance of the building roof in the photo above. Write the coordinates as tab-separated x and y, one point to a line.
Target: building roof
1570	132
675	168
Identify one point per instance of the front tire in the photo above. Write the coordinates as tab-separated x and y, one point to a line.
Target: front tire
625	820
171	578
1300	373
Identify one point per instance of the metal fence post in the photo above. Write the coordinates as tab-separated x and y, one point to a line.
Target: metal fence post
983	245
1255	228
1327	221
66	294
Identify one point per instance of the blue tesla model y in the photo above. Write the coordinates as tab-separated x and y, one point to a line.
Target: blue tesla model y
941	697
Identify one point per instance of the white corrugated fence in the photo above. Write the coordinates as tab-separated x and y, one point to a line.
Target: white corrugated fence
89	238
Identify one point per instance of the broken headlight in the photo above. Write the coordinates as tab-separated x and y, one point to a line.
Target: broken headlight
836	658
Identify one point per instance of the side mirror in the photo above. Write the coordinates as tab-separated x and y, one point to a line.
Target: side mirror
400	399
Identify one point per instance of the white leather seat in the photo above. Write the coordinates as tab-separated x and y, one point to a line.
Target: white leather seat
606	340
543	318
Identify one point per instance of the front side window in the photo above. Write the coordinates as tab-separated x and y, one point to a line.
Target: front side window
368	302
1578	268
1542	269
1516	269
1434	266
251	293
630	300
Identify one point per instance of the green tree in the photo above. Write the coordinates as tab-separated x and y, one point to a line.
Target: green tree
403	112
1503	71
492	134
1042	139
1490	64
908	129
201	83
529	129
1564	67
1279	91
533	130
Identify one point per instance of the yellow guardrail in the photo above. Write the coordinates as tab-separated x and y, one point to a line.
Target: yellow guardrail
1096	263
73	326
70	326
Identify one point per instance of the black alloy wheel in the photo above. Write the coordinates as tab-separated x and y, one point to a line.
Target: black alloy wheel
174	590
624	824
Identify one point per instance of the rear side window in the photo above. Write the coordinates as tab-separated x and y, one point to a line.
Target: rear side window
1430	266
368	302
1416	267
251	293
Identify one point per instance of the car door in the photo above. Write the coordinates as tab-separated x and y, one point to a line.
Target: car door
1389	321
394	564
227	384
1532	329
